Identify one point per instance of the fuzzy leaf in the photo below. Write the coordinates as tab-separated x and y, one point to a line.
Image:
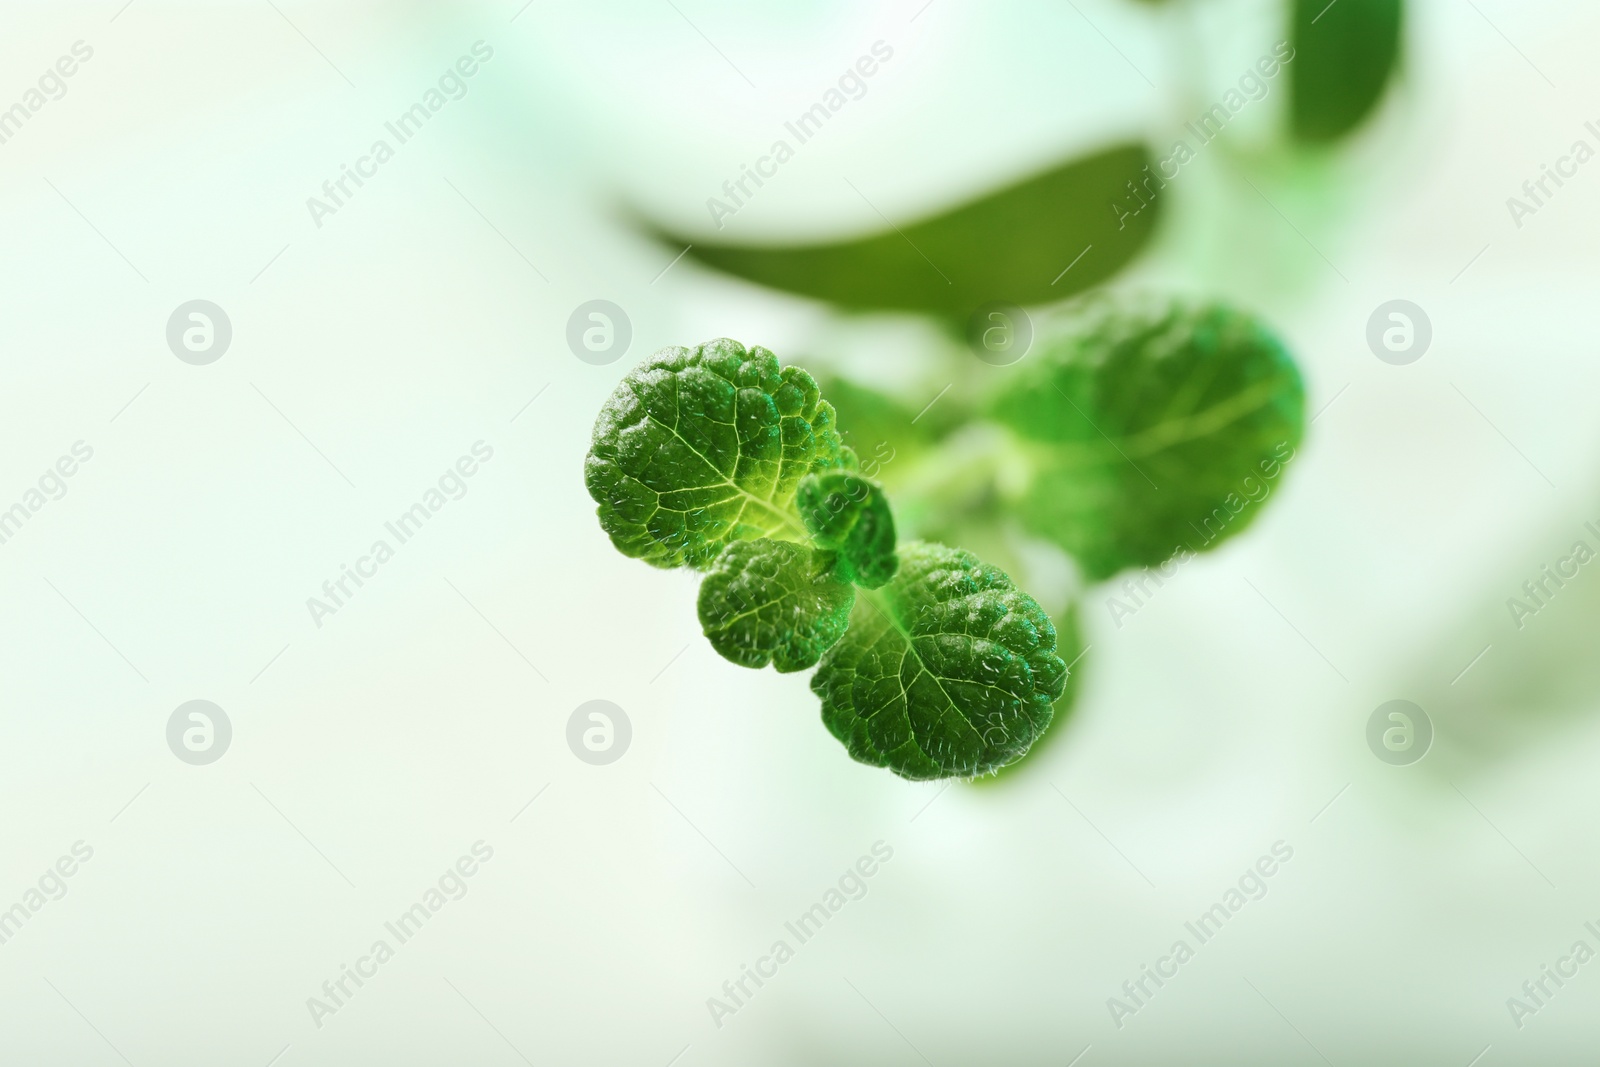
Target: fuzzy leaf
1070	647
700	447
848	514
1152	427
775	602
949	671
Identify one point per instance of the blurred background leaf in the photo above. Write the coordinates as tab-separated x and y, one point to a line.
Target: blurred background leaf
885	432
1149	429
1014	246
1346	53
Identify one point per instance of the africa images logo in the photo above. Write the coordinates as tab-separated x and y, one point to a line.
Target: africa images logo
1137	992
1253	85
803	128
452	85
852	885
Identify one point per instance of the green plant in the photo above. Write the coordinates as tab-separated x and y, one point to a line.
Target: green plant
1122	441
1347	59
1091	213
1134	432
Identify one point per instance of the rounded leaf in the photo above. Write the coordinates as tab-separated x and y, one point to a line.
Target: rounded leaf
699	447
949	671
1153	427
848	514
774	602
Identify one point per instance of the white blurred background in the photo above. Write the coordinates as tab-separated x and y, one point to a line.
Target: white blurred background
429	313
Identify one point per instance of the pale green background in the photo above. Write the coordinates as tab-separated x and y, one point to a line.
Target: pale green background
405	728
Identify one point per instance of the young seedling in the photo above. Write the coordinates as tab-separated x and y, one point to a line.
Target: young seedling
932	663
1139	431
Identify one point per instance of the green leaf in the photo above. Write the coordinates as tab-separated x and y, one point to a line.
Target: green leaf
775	602
1012	245
1344	56
949	671
699	447
848	514
1151	427
1070	647
881	428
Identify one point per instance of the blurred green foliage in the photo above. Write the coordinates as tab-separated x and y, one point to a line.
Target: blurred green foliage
1150	430
1346	53
1133	431
1011	245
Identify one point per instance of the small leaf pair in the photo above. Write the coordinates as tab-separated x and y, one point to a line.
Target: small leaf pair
933	664
778	602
